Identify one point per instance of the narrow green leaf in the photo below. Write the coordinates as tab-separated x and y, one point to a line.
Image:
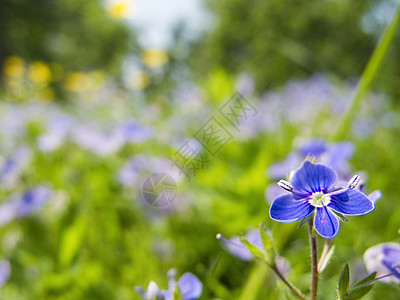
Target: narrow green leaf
327	259
255	282
253	249
177	294
368	76
268	243
71	240
340	216
358	292
344	282
367	279
304	220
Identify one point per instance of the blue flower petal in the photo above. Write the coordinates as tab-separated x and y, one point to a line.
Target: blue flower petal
286	209
4	271
313	147
190	286
326	223
391	260
351	203
312	178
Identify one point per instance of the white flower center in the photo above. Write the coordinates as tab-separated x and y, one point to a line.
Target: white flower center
319	199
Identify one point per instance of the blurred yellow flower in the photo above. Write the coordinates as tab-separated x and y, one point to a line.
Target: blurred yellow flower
39	72
46	93
139	80
83	82
120	9
154	58
14	66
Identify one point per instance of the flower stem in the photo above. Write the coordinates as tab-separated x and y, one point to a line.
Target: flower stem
368	75
314	261
294	290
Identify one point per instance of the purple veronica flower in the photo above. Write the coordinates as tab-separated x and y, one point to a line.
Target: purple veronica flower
11	168
152	292
20	205
134	132
313	189
335	155
4	271
33	200
313	147
385	260
236	247
190	287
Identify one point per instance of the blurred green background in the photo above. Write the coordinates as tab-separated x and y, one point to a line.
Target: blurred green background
91	104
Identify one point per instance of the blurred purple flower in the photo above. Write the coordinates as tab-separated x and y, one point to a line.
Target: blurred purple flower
385	260
189	286
273	191
236	247
11	168
152	292
129	174
132	171
375	196
245	84
334	155
97	142
33	200
5	270
133	132
22	205
282	169
58	129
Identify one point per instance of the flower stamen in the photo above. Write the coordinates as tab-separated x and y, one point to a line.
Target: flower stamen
285	185
353	182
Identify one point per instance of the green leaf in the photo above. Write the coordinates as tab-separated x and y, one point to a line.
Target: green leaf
367	279
368	76
71	240
344	282
340	216
177	294
268	243
253	249
304	220
255	282
359	292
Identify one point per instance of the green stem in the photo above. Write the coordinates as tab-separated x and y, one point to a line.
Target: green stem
294	290
368	76
314	261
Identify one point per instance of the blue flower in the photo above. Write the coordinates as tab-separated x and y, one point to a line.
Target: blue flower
190	287
334	155
4	271
152	292
313	189
236	247
21	205
385	260
33	200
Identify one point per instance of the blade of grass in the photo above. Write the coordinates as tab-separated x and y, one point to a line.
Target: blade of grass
368	76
